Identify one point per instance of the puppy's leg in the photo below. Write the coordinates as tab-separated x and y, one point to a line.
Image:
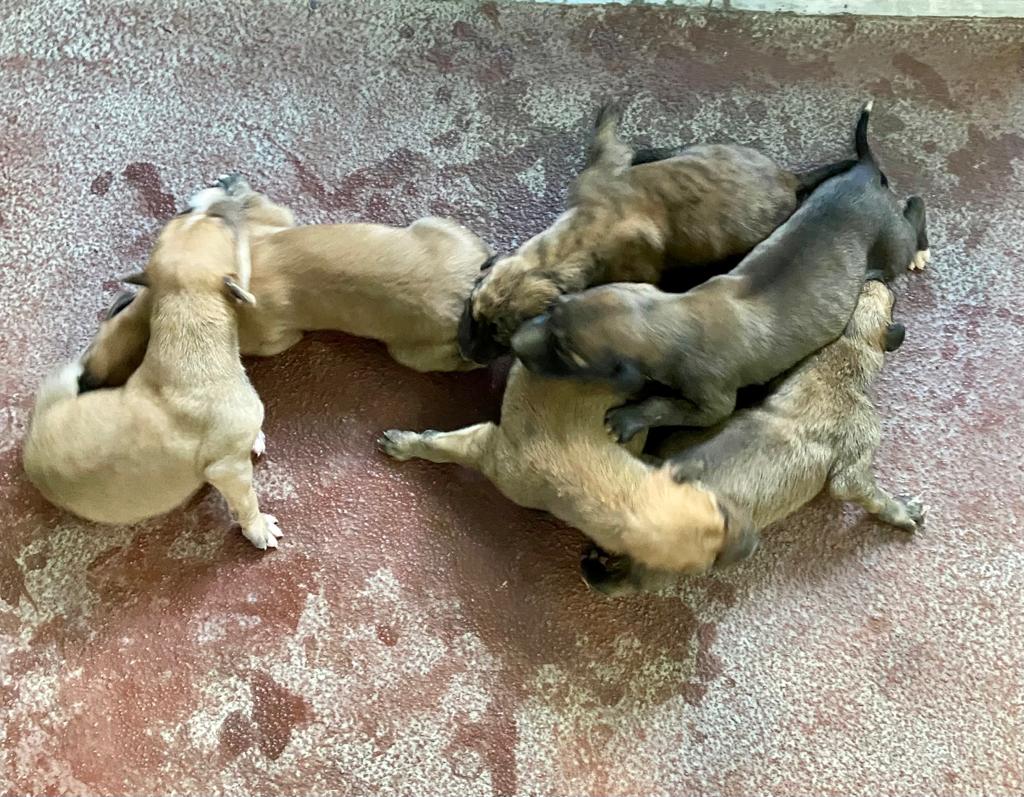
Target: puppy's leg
625	422
913	212
856	483
616	574
233	479
259	210
464	447
431	357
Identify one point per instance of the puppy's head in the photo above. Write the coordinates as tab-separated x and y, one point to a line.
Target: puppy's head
872	322
685	527
119	345
508	291
594	335
203	249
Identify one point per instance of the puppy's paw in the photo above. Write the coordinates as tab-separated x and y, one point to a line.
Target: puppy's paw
921	259
624	423
233	184
686	470
397	444
259	446
606	573
264	533
913	512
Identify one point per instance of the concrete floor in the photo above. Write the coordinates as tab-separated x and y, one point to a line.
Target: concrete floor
416	633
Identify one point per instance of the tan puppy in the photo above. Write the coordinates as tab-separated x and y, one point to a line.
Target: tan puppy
818	427
188	415
403	286
551	452
628	223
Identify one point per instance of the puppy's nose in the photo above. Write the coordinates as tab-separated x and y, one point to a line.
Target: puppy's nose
88	381
894	335
530	342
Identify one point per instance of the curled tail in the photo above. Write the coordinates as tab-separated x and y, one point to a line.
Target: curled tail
860	137
60	385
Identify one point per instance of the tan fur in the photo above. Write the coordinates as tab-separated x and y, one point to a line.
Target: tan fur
551	452
186	416
403	286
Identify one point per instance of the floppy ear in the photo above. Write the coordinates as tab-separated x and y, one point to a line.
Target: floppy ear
237	292
741	537
140	278
894	335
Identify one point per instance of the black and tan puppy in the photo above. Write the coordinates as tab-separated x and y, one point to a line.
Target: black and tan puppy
627	223
789	297
550	452
817	428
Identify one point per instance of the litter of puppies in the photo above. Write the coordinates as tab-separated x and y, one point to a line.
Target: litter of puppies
159	403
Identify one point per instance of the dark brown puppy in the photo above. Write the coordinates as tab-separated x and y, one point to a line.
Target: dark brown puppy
789	297
817	428
625	223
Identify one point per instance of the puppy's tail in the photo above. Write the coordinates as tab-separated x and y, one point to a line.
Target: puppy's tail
860	141
60	385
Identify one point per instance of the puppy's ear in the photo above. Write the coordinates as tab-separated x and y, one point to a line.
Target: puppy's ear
894	335
741	538
140	278
237	292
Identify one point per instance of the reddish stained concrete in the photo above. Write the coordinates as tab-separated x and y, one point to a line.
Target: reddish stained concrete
416	633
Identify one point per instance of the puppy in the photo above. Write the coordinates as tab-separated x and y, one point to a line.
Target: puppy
705	205
403	286
817	428
188	415
550	452
789	297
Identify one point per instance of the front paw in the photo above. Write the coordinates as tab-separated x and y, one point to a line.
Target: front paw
921	259
912	513
397	444
259	445
607	573
264	533
625	423
233	184
686	470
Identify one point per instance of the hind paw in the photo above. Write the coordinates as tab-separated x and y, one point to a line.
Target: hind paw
921	259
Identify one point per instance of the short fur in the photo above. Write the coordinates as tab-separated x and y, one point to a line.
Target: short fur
188	415
699	206
403	286
789	297
550	452
818	427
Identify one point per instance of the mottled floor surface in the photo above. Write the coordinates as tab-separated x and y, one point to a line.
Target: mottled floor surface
416	633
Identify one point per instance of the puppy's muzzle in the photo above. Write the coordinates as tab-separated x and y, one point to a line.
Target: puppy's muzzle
478	339
531	344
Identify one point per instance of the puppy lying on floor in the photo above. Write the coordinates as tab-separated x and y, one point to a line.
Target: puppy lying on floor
551	452
188	415
817	428
403	286
624	223
789	297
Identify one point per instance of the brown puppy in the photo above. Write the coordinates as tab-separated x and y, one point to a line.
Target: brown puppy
188	415
550	452
789	297
817	428
403	286
624	223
